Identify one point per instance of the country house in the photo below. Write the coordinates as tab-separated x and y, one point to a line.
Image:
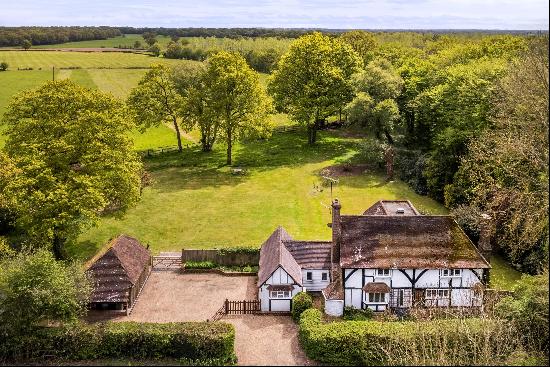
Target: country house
391	256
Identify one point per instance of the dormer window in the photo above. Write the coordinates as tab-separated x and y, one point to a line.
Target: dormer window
400	211
383	273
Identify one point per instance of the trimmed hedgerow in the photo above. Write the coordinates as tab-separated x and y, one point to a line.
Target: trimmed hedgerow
300	302
189	340
437	342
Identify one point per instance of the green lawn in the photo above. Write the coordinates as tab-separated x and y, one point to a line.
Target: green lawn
503	276
64	59
195	201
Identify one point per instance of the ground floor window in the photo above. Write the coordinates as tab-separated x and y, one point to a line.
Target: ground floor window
280	294
377	297
437	293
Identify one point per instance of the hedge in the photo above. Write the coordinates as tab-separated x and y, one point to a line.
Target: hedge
439	342
300	302
187	340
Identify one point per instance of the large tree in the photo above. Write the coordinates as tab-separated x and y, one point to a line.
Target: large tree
362	42
35	288
196	107
505	170
155	100
313	80
236	97
72	160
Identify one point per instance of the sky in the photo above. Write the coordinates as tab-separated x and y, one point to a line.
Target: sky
336	14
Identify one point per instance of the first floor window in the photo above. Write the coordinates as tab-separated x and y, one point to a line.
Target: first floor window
377	297
280	294
324	276
451	272
383	272
309	275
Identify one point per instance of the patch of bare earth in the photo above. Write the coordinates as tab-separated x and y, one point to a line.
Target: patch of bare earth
341	170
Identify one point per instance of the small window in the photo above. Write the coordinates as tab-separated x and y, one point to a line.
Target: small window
309	275
324	276
377	297
437	293
383	272
280	294
451	273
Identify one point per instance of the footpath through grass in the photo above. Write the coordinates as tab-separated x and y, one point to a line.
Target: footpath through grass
197	202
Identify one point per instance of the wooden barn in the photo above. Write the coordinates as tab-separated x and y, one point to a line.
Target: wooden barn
119	274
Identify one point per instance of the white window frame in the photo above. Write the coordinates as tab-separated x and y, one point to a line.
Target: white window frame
309	276
382	299
451	273
324	276
438	293
279	294
383	273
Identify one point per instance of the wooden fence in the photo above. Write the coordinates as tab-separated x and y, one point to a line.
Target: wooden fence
225	259
244	307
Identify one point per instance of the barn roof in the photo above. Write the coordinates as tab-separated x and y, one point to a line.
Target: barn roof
391	207
116	270
310	254
410	241
274	254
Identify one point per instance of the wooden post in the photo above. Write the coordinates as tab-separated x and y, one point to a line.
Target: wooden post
244	307
226	306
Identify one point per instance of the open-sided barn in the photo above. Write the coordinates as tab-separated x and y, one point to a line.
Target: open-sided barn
119	274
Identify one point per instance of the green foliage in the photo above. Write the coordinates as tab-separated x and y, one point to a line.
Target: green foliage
26	44
237	98
364	43
527	308
154	49
300	302
355	314
238	250
437	342
3	66
200	265
196	341
5	249
35	288
313	80
80	165
470	220
155	100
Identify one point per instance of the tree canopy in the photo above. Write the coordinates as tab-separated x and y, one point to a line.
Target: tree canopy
313	80
71	160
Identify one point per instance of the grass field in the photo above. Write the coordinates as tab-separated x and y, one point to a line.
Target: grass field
503	275
196	202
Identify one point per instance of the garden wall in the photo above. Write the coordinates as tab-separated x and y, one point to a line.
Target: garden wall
224	257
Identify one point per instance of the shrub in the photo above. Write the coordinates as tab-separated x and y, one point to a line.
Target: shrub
189	340
3	66
300	302
200	265
352	313
438	342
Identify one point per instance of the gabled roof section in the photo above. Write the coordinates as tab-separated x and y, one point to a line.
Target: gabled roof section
118	269
406	242
392	207
274	254
310	254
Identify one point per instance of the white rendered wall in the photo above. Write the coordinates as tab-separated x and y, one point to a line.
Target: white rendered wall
317	283
279	276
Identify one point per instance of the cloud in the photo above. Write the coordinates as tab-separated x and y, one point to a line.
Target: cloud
370	14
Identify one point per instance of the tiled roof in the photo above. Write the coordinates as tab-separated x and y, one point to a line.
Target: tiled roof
406	242
310	254
273	254
118	269
376	287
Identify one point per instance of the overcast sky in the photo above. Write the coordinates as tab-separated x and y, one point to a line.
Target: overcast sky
367	14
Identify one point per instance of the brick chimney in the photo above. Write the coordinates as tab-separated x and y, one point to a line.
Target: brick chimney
485	237
336	232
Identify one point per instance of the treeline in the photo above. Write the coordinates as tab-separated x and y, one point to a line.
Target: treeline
15	36
223	32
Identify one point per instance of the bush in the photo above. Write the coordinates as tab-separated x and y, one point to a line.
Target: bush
300	302
3	66
410	165
200	265
438	342
354	314
469	219
189	340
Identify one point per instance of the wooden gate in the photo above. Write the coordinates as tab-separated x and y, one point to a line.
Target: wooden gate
237	308
166	262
